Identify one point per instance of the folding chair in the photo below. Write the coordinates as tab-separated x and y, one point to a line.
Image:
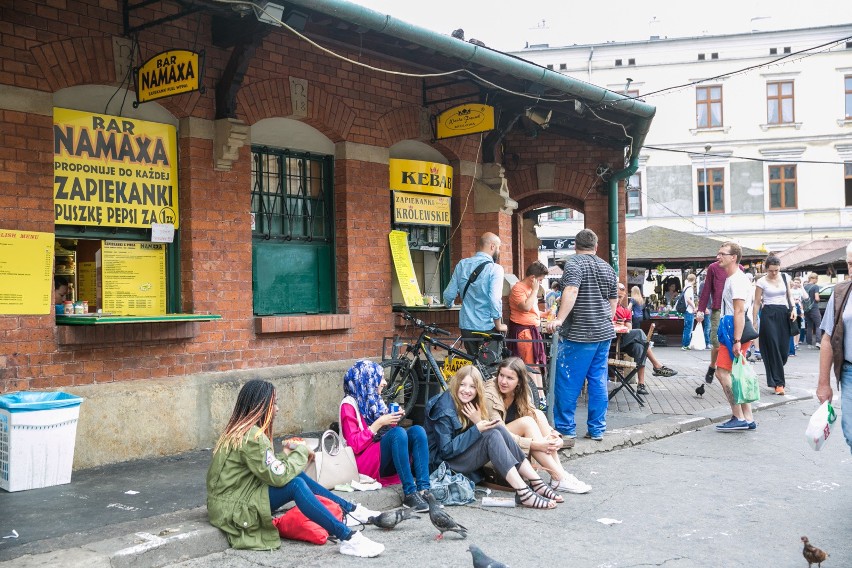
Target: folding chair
621	366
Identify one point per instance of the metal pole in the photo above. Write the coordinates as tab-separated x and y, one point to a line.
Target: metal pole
706	189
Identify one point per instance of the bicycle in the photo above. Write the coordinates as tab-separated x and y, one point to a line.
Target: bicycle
406	372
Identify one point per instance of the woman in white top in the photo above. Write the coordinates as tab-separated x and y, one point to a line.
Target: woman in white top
772	297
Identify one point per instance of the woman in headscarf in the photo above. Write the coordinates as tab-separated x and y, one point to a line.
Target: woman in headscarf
383	449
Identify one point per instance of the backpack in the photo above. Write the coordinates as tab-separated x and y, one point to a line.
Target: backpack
680	305
451	488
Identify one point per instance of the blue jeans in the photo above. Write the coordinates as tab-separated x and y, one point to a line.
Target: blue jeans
577	363
302	489
846	403
401	447
688	321
706	325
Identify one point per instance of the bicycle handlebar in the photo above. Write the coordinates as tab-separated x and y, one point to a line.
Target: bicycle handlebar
423	325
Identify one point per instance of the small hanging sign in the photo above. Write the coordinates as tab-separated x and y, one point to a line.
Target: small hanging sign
169	73
465	119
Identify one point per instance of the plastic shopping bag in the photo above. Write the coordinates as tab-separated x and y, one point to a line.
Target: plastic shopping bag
820	425
697	342
744	381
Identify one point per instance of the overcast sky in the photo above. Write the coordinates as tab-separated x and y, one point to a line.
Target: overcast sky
507	25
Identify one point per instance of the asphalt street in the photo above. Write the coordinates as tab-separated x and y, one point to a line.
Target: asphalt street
698	499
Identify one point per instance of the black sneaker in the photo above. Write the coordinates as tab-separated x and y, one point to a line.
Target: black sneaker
416	502
711	372
642	390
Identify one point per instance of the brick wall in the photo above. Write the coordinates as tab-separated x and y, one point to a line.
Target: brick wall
58	44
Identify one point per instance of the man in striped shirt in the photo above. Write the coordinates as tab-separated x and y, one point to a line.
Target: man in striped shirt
585	315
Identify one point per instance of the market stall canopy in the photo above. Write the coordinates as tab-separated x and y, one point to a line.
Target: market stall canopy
829	262
653	246
802	254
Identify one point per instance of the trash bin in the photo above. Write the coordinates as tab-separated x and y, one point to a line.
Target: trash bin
37	435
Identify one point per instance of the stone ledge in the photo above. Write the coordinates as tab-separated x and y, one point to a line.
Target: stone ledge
299	324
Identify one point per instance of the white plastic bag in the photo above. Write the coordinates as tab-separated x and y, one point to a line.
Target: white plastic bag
820	425
697	343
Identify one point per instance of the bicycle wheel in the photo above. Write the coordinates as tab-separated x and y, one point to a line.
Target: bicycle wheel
402	383
534	396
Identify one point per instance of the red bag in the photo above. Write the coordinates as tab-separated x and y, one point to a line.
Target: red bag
296	526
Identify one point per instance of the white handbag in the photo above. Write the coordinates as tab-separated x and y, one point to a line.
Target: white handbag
334	462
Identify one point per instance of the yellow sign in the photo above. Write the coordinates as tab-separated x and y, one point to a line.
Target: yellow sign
111	171
134	278
87	287
421	177
26	272
453	364
465	119
166	74
405	269
420	209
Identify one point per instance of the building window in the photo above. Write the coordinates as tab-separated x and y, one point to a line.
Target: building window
782	187
618	62
701	57
773	51
631	61
550	67
708	106
563	66
787	50
292	232
634	196
561	215
779	102
714	55
847	175
848	85
714	191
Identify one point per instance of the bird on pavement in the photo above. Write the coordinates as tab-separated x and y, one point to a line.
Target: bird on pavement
700	390
389	519
482	560
813	554
442	520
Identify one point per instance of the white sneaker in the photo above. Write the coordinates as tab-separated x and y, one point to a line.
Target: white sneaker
360	545
359	516
570	484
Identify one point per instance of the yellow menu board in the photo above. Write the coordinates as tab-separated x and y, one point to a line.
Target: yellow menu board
26	272
405	269
133	278
86	283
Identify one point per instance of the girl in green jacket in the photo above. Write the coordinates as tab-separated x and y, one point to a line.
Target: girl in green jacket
247	481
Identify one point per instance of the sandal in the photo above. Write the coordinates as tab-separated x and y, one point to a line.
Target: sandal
543	489
526	497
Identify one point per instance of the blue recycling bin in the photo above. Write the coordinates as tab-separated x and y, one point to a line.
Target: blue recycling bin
37	435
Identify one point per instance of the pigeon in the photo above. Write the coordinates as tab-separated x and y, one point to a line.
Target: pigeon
813	554
458	34
482	560
442	520
389	519
700	390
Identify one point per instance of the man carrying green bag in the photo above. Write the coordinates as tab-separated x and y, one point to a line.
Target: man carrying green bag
744	382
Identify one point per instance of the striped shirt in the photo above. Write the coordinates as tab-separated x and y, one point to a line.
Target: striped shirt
590	320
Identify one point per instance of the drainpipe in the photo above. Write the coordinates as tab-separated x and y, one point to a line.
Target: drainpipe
589	63
613	206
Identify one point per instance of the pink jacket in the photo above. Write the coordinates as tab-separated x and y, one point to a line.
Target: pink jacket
368	454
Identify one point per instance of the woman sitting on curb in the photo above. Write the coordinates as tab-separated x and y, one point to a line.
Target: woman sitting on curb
507	399
384	452
461	434
247	481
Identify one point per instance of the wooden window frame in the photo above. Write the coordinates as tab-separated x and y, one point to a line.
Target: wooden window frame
712	186
779	99
778	184
847	96
847	182
708	103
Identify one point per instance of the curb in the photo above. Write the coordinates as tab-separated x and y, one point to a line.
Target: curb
176	537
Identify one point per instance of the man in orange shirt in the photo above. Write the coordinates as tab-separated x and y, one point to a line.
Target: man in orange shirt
525	321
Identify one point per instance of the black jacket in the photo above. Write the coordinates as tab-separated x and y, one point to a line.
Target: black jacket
444	431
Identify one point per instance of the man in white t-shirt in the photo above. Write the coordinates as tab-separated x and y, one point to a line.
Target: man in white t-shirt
737	298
